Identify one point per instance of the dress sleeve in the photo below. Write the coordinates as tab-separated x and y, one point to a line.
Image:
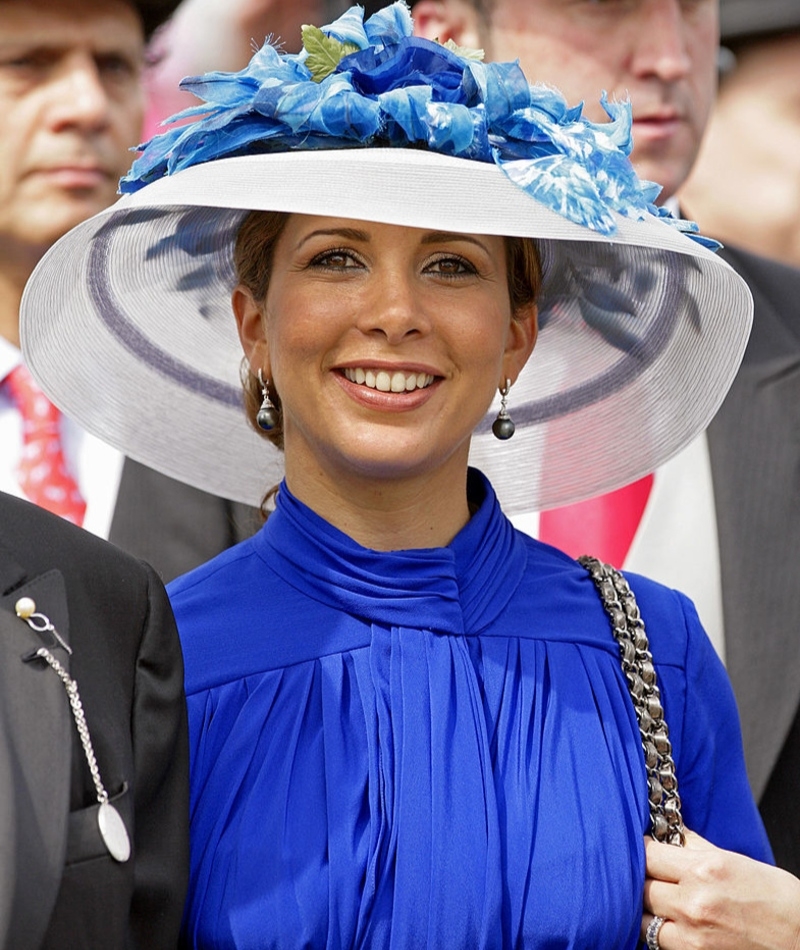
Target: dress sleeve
712	781
161	775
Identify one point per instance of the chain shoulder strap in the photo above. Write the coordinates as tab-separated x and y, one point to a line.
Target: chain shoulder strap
637	664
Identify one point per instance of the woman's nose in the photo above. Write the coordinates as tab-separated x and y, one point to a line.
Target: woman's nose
395	309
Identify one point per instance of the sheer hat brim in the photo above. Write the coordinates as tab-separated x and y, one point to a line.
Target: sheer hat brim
126	322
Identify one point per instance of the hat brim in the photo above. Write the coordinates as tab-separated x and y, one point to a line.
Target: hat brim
126	322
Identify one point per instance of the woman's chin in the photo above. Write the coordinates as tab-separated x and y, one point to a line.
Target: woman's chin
382	458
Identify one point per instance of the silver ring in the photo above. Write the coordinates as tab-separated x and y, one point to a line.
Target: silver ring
653	930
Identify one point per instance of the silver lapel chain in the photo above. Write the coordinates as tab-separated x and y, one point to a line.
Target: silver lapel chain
109	821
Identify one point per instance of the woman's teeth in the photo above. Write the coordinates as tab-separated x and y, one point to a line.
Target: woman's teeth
387	382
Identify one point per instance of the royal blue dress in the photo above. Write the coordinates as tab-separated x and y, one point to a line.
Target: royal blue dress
432	748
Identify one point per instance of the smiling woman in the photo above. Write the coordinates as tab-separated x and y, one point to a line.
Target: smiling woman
399	334
412	725
388	320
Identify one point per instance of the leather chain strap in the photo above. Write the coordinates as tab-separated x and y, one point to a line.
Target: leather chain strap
637	664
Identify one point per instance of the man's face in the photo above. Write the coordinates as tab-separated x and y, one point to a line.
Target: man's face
661	53
71	102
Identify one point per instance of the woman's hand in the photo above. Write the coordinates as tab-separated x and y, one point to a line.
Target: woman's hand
712	899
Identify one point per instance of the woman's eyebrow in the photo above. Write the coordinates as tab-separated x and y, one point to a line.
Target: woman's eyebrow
356	234
352	234
439	237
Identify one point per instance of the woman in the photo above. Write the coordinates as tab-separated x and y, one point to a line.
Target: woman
411	725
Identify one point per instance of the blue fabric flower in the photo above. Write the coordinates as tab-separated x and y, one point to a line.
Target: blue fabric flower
358	83
350	28
412	62
689	228
503	89
388	25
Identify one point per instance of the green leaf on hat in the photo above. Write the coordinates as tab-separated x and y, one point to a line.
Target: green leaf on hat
324	52
465	52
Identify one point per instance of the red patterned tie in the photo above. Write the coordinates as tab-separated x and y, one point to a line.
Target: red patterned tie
42	471
604	526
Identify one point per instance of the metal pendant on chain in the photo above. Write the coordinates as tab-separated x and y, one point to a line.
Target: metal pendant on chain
109	821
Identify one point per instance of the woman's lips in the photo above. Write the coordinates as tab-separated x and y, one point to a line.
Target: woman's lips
386	380
380	388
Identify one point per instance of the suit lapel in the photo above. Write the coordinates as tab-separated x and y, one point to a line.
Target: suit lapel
35	759
755	453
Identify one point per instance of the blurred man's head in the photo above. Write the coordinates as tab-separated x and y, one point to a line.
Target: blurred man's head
745	188
71	102
662	53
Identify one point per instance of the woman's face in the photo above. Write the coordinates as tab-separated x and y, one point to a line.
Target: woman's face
386	343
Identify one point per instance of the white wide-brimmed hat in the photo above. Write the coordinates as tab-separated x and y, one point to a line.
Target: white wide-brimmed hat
127	325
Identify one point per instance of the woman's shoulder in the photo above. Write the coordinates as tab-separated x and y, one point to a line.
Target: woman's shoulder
243	614
215	607
205	582
557	585
673	627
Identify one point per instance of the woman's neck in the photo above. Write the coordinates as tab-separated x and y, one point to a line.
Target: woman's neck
424	511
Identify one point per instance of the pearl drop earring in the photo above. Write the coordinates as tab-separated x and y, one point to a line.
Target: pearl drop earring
503	426
267	416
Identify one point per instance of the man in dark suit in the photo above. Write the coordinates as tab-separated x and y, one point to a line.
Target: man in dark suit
722	521
754	444
72	99
60	886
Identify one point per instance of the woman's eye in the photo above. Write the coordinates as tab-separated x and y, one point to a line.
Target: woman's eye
336	259
451	267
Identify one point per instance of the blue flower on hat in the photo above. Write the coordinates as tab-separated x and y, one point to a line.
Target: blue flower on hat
362	83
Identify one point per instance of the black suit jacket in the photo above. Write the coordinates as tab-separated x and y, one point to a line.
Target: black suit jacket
59	887
754	443
172	526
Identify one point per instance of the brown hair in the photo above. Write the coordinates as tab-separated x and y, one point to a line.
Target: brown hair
252	258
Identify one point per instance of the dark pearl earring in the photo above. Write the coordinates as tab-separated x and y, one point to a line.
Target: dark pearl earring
267	416
503	427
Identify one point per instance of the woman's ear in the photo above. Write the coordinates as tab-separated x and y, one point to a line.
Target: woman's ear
444	20
250	324
522	333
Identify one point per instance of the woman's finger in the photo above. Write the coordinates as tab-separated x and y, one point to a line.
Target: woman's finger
662	897
664	862
665	936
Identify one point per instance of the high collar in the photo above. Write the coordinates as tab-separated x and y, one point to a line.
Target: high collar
458	589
